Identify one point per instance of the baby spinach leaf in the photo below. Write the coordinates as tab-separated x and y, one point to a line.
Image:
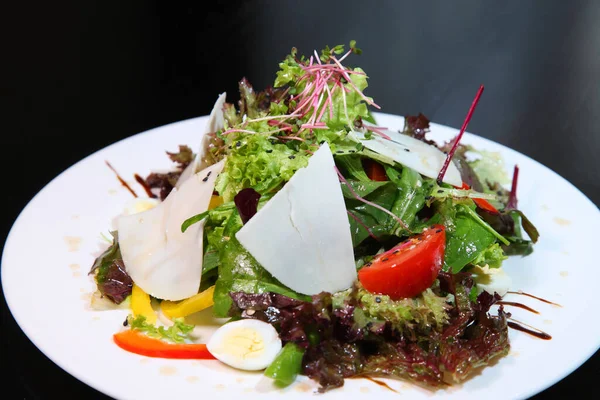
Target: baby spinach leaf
465	240
240	272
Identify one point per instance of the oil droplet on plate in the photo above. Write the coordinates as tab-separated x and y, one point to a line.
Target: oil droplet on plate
239	380
192	379
515	353
167	370
302	387
248	390
561	221
82	290
96	318
564	274
220	387
545	207
76	274
364	389
74	267
548	321
144	361
73	243
112	191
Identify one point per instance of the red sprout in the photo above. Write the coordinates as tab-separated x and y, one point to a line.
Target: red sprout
377	206
378	130
460	135
512	198
291	138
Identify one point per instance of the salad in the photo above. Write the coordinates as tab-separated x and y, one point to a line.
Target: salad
326	245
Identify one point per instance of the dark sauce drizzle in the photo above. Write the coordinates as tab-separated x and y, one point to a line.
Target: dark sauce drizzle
519	326
380	383
537	298
519	305
145	185
121	180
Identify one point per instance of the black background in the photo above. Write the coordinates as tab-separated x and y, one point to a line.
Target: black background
79	76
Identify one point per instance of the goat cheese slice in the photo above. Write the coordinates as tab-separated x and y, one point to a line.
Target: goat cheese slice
424	158
165	262
302	235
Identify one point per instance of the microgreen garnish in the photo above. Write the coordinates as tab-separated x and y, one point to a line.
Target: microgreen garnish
314	83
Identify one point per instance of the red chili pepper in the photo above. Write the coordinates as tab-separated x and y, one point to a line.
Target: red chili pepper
138	343
482	203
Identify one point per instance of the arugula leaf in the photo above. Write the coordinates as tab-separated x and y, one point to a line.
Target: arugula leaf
210	260
361	188
240	272
522	220
178	333
351	167
466	238
518	247
375	219
411	196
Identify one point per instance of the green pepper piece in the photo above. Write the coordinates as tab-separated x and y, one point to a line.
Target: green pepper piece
286	366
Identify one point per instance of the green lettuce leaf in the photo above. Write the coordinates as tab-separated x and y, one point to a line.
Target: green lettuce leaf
178	333
256	162
492	256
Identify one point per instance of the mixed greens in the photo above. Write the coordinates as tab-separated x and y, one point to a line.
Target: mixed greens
430	325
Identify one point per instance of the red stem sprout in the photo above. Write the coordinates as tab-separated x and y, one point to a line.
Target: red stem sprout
460	135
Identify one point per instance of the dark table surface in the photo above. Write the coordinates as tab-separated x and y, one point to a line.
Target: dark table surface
77	77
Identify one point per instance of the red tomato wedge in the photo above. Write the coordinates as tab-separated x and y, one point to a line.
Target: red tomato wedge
138	343
374	170
408	268
482	203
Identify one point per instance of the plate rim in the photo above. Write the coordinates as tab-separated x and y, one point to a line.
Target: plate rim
108	390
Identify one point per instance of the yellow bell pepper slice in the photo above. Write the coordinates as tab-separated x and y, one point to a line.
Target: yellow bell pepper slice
141	304
191	305
215	201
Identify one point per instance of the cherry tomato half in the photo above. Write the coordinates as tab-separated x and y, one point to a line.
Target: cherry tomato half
408	268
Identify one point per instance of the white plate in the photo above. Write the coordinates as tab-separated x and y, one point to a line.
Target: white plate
57	236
